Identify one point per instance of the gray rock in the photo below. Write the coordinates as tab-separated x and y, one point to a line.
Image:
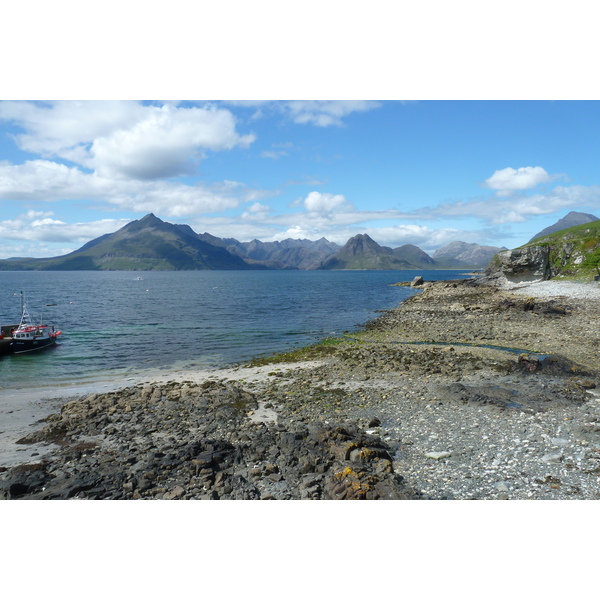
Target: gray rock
552	458
522	264
438	455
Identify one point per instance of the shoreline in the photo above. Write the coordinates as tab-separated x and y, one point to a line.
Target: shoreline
391	390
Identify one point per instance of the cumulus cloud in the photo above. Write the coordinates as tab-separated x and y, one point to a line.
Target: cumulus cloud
324	204
168	142
124	139
65	129
257	212
34	236
47	181
509	180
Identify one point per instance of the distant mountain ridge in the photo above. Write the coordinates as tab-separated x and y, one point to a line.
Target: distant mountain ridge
362	252
287	254
152	244
571	219
461	253
147	244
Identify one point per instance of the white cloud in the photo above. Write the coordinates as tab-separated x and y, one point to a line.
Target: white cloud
66	128
324	113
44	222
179	200
297	232
124	139
516	209
257	212
168	142
325	204
298	227
47	181
38	237
506	181
337	227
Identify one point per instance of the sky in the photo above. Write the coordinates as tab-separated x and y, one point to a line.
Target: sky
419	172
452	143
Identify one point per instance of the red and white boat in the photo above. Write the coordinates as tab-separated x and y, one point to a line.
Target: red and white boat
29	336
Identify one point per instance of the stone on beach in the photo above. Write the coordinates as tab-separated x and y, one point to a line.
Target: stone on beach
438	455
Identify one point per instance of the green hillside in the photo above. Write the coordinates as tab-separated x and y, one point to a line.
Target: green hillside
574	252
569	253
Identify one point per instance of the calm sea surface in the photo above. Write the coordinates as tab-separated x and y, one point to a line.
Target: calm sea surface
114	324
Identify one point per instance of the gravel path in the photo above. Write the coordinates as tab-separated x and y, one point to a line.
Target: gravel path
559	289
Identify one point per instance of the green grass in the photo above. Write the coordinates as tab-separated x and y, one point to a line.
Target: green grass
584	241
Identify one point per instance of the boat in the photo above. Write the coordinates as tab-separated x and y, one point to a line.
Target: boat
6	338
30	336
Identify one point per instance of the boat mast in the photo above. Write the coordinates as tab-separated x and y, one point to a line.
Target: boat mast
25	318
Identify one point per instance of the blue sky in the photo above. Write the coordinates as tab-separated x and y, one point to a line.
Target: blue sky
420	172
461	137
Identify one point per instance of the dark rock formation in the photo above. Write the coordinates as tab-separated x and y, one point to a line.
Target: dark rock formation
529	263
181	442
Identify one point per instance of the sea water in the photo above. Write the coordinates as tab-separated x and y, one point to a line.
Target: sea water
119	323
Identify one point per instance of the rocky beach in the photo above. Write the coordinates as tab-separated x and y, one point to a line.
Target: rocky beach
466	390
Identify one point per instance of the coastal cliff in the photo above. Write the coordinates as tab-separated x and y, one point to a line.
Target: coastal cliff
570	253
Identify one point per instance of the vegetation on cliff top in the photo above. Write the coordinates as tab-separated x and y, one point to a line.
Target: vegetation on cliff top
574	252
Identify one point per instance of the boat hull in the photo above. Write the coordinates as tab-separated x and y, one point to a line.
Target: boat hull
21	346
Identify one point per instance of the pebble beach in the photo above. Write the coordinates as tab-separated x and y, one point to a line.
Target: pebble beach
464	391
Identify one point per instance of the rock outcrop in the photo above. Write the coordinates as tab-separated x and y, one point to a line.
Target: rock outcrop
179	442
573	252
530	263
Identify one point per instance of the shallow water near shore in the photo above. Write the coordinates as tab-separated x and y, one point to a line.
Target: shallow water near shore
119	325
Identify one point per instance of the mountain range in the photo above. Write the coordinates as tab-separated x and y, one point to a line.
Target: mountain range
287	254
153	244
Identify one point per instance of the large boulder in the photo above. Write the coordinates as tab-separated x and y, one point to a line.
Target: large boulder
522	264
